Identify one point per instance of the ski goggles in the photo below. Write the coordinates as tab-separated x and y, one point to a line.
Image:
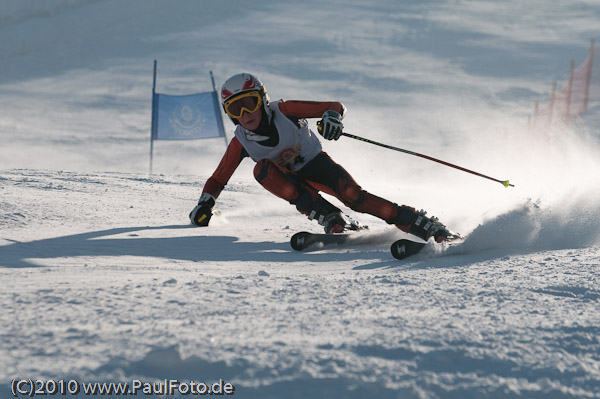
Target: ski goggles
249	102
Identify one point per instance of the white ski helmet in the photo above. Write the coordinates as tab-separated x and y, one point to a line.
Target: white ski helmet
242	83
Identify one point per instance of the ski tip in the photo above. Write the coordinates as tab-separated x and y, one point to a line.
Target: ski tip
299	241
404	248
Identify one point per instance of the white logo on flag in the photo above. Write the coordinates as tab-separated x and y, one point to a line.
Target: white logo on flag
187	120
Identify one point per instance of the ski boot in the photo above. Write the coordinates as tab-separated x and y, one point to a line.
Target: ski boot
334	223
330	217
426	227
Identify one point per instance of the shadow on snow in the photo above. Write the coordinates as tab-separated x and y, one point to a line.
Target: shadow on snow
187	248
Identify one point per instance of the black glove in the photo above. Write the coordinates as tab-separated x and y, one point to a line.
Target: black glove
201	214
330	126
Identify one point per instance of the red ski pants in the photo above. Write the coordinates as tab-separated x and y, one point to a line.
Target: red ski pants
302	188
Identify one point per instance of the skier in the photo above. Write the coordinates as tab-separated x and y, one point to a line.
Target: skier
291	164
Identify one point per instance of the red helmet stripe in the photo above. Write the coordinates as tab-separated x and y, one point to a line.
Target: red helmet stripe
226	94
249	84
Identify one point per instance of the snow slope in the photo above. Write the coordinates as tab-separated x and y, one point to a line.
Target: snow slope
102	278
102	282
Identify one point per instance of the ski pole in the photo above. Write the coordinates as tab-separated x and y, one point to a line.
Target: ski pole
505	183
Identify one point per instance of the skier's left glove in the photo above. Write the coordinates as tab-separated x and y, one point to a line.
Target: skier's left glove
330	126
201	214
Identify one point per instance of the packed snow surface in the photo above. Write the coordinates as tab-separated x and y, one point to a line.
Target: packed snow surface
102	278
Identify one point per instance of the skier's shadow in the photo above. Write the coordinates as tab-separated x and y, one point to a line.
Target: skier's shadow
129	242
134	241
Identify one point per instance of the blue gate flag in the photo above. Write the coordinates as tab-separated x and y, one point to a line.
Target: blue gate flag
187	117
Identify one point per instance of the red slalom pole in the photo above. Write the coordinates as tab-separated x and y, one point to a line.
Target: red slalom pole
505	183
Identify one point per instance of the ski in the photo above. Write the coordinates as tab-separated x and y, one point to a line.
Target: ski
302	240
404	248
400	249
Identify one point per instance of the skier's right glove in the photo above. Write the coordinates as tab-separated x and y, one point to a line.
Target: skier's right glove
201	214
330	126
